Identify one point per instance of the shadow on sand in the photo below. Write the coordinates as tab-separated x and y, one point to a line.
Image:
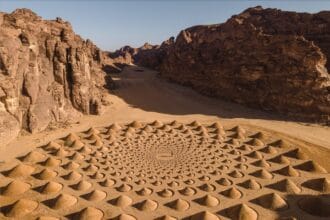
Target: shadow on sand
142	88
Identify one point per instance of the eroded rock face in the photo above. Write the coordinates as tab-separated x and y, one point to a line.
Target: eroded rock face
47	73
264	58
148	55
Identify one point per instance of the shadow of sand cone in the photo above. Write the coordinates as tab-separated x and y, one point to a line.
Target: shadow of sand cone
20	208
272	201
179	205
147	205
16	187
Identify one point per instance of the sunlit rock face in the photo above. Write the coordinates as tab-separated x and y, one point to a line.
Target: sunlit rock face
47	73
264	58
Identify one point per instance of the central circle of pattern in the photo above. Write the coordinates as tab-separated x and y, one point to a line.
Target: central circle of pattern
169	151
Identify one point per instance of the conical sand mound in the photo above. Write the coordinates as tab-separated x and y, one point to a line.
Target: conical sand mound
241	212
50	187
261	163
319	184
208	200
19	209
238	129
52	146
73	175
95	195
166	193
147	205
311	166
156	123
224	182
232	193
92	131
269	150
204	216
263	174
279	144
122	201
259	135
98	143
45	174
32	157
179	205
207	187
135	124
250	184
255	142
166	217
296	154
71	165
82	185
285	186
272	201
287	171
144	191
255	154
115	127
70	139
92	137
280	160
51	162
15	187
78	143
107	183
88	213
237	135
148	128
236	174
61	201
20	170
193	123
124	217
124	188
60	153
188	191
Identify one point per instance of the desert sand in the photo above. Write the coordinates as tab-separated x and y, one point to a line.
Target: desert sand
162	151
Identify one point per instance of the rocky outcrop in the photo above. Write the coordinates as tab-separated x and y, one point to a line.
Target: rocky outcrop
148	55
264	58
47	73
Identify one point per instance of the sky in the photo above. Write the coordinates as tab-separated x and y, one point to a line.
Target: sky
111	24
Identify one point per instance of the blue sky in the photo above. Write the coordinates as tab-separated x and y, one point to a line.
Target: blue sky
111	24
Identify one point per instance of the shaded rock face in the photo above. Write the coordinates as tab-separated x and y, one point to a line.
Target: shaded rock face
263	58
47	73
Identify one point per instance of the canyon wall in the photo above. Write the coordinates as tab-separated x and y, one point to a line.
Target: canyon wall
47	74
263	58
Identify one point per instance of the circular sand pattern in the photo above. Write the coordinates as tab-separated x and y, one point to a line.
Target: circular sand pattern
165	171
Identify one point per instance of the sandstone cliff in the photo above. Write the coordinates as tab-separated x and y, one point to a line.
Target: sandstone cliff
47	73
263	58
148	55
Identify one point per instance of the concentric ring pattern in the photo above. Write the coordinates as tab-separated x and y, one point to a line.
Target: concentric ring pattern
165	171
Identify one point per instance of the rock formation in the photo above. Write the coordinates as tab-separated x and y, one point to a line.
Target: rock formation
47	73
264	58
148	55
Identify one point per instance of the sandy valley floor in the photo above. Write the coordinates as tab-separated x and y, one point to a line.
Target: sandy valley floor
230	163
